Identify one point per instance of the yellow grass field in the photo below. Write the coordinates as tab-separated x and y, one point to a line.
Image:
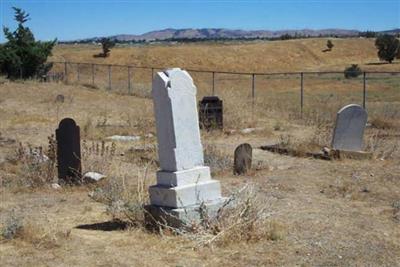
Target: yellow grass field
261	56
317	213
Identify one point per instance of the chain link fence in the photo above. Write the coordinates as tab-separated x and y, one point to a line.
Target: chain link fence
297	94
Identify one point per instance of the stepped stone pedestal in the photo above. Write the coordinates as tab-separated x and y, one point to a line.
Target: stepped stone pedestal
185	191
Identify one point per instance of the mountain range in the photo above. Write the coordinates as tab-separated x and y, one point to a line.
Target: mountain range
219	33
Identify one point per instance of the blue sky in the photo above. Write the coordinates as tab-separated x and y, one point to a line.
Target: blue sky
73	19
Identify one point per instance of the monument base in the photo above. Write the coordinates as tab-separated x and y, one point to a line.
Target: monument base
157	216
359	155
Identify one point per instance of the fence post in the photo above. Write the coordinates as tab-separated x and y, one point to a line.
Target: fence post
129	80
301	93
66	72
364	89
109	77
253	88
93	74
213	83
152	76
78	75
253	94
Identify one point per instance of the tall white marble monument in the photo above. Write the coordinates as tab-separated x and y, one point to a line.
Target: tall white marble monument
184	184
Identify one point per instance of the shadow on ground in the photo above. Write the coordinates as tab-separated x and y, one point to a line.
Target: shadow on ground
104	226
380	63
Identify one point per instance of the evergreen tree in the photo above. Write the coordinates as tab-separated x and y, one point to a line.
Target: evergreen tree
21	56
387	46
329	44
106	45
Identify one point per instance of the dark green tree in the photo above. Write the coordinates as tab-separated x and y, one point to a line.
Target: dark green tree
388	46
352	72
329	44
398	53
21	56
106	45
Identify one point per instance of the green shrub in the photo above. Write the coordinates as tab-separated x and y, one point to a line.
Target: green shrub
329	44
352	72
106	45
388	47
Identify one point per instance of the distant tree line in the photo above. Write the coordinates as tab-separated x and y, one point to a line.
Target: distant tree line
287	36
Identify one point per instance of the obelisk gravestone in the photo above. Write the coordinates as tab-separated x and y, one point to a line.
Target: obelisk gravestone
183	183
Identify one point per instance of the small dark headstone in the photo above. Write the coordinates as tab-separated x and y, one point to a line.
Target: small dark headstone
243	159
211	113
68	151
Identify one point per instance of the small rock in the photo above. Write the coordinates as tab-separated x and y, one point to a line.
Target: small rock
247	130
326	150
39	157
55	186
396	204
229	132
365	190
271	168
124	138
93	177
281	168
91	194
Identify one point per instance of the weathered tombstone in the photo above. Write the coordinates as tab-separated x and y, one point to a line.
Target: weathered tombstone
68	151
184	188
211	113
243	159
349	128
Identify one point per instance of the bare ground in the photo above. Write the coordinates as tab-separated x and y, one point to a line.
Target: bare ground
330	214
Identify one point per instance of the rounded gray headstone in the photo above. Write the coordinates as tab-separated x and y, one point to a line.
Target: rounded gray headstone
243	159
349	128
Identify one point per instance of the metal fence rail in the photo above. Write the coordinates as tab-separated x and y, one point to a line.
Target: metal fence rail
303	86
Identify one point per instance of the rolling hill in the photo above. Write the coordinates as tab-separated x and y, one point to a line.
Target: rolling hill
217	33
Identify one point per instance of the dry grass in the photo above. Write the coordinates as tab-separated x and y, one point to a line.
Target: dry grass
262	56
39	234
323	94
244	217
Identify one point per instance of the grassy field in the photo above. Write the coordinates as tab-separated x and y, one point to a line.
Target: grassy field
323	93
317	213
262	56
